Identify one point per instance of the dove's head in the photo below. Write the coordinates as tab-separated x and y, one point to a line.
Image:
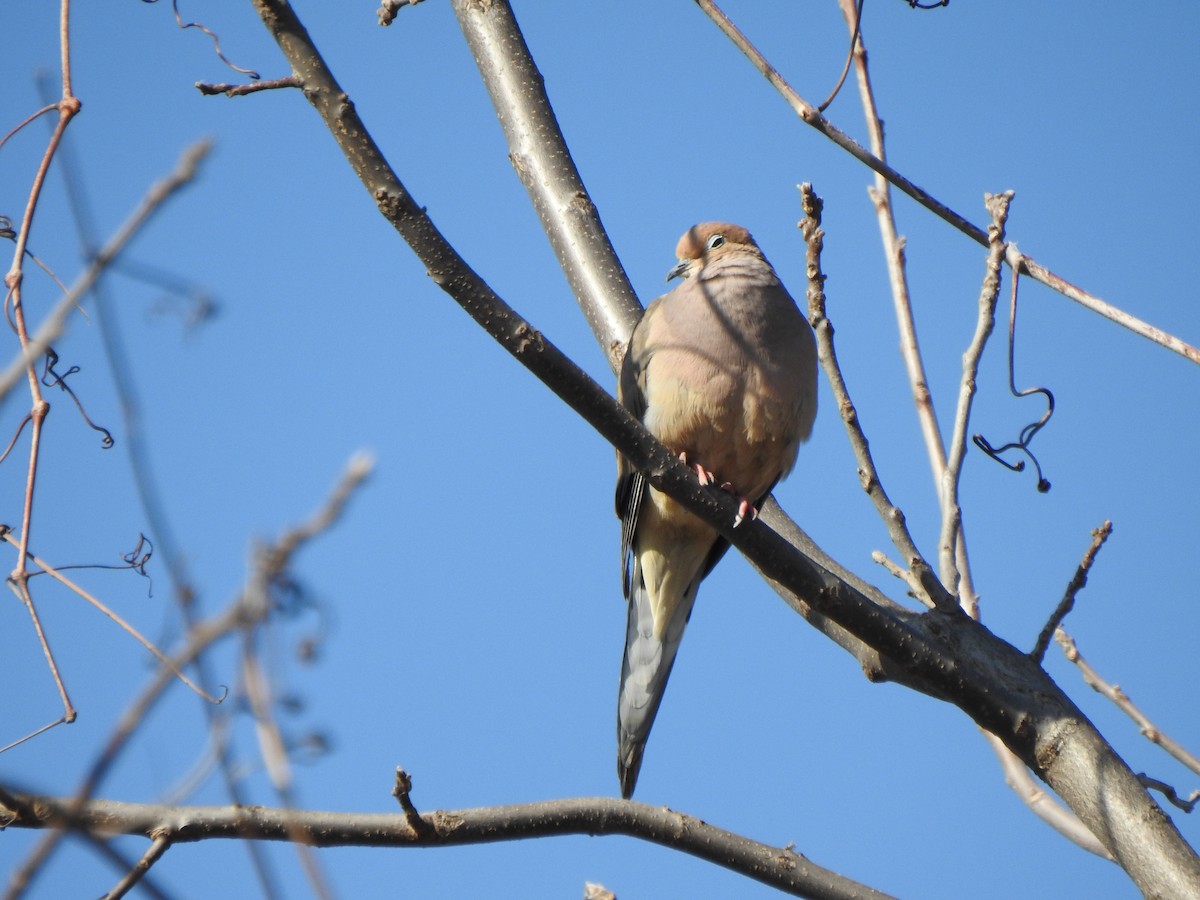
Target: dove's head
710	241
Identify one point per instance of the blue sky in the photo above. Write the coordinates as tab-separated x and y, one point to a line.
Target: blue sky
469	602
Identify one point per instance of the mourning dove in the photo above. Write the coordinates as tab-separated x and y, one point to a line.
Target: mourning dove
722	370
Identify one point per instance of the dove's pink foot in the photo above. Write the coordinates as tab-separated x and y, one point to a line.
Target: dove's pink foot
704	476
746	509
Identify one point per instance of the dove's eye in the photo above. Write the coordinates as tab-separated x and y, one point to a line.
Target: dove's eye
717	240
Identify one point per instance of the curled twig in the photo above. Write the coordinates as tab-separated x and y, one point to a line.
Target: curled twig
51	378
849	58
1027	433
133	632
55	323
249	73
135	560
7	450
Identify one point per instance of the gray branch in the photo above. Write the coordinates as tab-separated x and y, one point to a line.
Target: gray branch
542	160
780	867
944	654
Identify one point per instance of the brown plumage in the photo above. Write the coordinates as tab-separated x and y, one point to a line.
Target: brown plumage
721	369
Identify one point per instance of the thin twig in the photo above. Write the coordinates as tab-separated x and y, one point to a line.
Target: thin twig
183	590
1076	584
32	117
54	323
275	755
1043	804
894	256
242	613
897	266
402	791
1113	692
153	854
107	849
68	107
21	589
1170	793
276	558
898	571
854	19
388	10
253	87
931	591
997	205
811	116
125	626
61	720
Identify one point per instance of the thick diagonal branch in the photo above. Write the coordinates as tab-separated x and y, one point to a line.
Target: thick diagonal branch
950	657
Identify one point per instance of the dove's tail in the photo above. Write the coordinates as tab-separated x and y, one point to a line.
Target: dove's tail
644	673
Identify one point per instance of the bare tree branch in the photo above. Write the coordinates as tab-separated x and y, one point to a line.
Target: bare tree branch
253	87
1077	584
947	655
997	205
149	495
542	160
53	325
1016	775
532	131
894	256
1042	803
249	608
780	867
274	754
1113	692
153	854
931	590
811	116
68	107
106	848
